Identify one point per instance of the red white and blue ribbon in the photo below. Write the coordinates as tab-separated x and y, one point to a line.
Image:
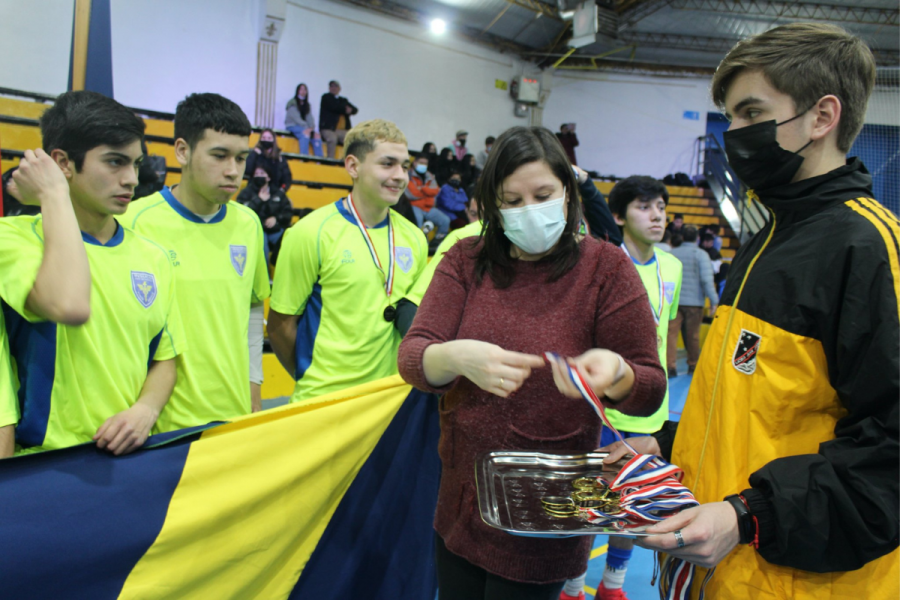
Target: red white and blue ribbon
650	491
389	274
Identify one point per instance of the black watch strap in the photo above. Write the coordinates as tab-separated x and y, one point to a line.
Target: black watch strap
746	526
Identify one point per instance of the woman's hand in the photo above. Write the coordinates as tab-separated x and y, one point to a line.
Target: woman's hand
600	369
307	131
490	367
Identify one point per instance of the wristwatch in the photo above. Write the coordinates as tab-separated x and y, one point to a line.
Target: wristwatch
746	523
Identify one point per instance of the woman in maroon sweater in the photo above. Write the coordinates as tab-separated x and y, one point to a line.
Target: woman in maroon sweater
530	284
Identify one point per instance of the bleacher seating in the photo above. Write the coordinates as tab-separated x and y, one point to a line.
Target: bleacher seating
317	182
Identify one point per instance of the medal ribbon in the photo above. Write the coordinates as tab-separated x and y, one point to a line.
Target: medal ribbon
651	491
389	276
657	313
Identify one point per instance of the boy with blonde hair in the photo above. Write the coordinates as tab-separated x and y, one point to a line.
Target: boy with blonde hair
344	268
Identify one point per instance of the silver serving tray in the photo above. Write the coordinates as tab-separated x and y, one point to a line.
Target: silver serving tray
510	486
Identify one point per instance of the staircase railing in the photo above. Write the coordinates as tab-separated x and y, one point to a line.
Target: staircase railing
745	215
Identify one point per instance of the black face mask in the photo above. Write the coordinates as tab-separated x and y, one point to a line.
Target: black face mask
455	183
462	141
260	181
265	145
757	158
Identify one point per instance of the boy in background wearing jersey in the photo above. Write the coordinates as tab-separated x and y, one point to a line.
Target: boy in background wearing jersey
338	283
217	251
109	379
61	291
638	205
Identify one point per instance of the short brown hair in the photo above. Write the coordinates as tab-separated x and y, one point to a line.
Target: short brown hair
807	61
362	139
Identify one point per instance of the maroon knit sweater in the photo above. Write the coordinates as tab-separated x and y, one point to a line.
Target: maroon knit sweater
600	303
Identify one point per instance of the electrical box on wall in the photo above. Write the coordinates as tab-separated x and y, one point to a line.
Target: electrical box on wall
527	90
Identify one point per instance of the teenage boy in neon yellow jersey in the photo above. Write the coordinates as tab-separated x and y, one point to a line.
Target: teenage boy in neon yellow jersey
343	269
638	205
106	380
218	255
61	291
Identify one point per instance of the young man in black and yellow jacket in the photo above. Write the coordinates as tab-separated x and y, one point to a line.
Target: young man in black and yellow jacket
789	438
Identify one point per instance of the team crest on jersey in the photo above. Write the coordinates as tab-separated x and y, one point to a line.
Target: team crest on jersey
144	287
745	352
404	258
239	258
669	291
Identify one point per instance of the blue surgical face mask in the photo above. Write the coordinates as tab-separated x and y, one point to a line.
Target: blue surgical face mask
537	227
421	169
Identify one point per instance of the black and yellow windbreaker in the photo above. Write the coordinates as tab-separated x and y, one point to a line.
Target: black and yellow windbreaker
796	399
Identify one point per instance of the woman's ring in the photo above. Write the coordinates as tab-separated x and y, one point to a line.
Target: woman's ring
678	539
501	383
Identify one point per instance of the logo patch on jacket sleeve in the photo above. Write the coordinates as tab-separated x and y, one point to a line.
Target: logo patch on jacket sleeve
745	352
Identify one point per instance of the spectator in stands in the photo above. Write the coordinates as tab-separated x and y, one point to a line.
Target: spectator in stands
707	241
458	146
273	208
676	225
468	170
12	205
430	151
218	248
300	121
334	117
108	381
483	155
329	293
569	140
715	231
150	180
666	243
452	200
697	283
267	154
492	308
445	163
421	193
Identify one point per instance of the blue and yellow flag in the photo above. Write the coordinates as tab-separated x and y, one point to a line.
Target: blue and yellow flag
328	499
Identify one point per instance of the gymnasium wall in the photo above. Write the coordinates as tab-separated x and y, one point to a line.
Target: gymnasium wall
630	125
164	49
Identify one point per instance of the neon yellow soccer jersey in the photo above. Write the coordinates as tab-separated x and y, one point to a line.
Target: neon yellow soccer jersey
669	271
221	269
9	408
327	276
71	379
416	294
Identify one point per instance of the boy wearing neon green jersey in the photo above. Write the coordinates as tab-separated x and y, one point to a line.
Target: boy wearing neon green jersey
61	287
638	204
343	269
219	260
106	380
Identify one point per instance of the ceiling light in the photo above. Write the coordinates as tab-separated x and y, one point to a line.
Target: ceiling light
438	26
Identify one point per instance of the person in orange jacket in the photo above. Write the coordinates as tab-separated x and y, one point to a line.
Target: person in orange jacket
421	192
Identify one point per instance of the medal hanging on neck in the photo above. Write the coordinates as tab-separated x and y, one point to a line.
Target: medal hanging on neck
657	313
390	313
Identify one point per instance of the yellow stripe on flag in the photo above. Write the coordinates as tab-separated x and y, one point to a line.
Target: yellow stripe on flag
261	513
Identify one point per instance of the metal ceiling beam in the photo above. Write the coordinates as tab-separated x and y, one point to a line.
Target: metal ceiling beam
796	10
883	57
539	7
631	14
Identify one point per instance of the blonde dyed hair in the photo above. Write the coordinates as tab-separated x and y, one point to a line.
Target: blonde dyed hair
807	61
362	139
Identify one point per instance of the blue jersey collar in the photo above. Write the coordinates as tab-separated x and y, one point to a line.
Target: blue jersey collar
640	264
115	240
182	210
346	214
